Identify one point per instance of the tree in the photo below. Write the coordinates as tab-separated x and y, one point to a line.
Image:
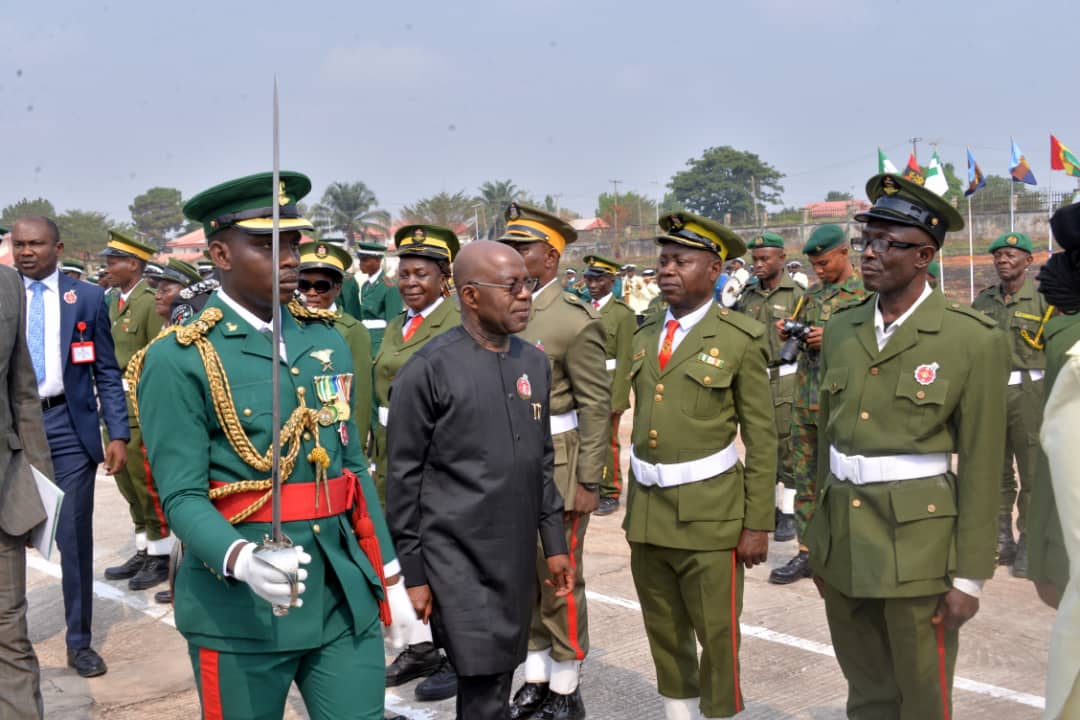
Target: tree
450	211
725	180
631	209
350	209
670	204
39	207
157	214
837	196
496	197
84	232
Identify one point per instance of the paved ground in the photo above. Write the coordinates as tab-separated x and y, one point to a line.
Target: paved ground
787	668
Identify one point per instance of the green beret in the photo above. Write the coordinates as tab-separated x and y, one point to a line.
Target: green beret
901	201
526	224
370	249
72	265
823	239
934	269
701	233
597	265
765	240
1017	240
324	255
433	242
121	245
181	272
248	203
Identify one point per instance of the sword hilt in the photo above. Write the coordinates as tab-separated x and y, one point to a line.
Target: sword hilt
279	554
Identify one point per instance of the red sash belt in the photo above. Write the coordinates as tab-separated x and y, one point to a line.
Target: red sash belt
298	503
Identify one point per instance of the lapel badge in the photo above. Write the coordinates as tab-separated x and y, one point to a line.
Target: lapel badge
714	352
323	356
926	374
540	345
524	388
70	297
231	327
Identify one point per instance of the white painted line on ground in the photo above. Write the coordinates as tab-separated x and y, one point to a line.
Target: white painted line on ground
754	631
396	704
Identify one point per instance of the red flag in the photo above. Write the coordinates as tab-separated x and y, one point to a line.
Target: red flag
912	172
1055	154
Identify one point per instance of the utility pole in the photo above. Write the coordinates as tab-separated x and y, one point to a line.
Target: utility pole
915	146
558	204
753	195
615	208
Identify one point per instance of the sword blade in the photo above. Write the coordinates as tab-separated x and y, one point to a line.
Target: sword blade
275	373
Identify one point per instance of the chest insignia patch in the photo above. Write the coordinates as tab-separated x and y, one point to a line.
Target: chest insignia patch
709	360
231	327
639	354
524	388
70	297
926	374
323	356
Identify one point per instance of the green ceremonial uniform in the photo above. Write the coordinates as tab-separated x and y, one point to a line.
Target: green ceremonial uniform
132	329
392	356
1015	314
768	306
379	303
822	302
1047	558
620	324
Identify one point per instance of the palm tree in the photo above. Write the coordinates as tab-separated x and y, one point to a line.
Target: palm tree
350	209
451	211
496	197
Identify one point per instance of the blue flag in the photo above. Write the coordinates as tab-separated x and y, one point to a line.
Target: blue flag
975	175
1019	168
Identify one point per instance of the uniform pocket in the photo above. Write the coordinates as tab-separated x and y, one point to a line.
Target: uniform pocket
714	500
708	394
834	383
925	402
924	538
817	530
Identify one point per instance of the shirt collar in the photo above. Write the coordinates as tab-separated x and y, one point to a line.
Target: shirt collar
426	311
246	315
374	278
603	301
536	293
879	321
689	320
52	282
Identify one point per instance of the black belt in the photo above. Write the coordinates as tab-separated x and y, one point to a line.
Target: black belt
53	401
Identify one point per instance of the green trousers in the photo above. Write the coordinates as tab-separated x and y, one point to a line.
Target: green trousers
342	680
690	597
1025	403
899	666
139	492
612	483
804	466
561	624
783	396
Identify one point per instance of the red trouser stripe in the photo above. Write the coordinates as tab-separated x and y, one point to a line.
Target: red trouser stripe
154	497
615	470
571	602
942	675
735	630
210	684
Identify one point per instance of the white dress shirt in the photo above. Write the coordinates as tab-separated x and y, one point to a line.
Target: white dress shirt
599	304
423	313
686	324
53	384
254	321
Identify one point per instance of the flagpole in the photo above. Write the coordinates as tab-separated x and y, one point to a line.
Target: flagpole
1011	203
971	252
1050	211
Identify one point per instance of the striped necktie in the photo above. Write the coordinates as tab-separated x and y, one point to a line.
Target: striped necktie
665	347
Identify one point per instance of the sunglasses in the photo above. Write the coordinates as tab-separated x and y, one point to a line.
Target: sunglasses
320	286
880	245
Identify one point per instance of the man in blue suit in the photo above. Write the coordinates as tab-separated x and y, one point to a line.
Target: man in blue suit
71	347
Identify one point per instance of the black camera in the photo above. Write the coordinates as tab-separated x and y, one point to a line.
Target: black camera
796	332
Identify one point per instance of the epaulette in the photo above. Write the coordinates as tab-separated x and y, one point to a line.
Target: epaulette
972	313
387	281
572	299
305	314
744	322
208	285
987	289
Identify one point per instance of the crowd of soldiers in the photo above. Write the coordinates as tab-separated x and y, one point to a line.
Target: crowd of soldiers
879	423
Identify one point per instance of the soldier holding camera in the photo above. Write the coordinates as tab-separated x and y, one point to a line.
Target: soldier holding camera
839	286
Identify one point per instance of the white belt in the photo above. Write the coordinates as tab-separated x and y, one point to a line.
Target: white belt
673	474
564	422
610	364
1017	376
785	370
374	324
862	470
384	415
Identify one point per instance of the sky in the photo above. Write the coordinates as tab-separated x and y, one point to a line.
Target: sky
103	100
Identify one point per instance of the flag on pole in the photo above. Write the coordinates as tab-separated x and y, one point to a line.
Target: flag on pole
1018	166
935	176
884	164
913	172
1062	158
975	175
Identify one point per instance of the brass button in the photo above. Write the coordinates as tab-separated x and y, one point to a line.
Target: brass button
864	415
247	412
659	387
653	434
295	371
315	528
856	503
920	394
300	392
652	443
307	436
724	311
707	380
875	371
931	508
658	398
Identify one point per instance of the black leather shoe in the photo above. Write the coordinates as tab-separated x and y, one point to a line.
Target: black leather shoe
163	597
415	661
785	528
796	568
528	700
86	662
562	707
1006	545
439	685
1020	564
128	569
607	506
154	572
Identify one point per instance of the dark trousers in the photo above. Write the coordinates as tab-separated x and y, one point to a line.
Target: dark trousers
20	686
75	471
484	697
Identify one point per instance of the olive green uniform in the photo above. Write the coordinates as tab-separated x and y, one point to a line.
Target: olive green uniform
359	341
768	306
572	335
888	547
132	329
392	356
822	301
683	538
1019	314
620	324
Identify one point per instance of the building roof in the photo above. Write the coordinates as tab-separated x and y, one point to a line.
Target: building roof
593	223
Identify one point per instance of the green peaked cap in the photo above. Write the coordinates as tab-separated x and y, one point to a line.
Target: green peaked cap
599	265
897	200
323	255
429	241
180	271
248	203
701	233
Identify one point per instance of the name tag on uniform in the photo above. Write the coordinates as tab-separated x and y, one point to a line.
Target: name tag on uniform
1027	316
639	354
82	352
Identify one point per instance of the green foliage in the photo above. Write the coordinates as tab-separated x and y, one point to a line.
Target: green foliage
631	209
496	197
670	204
450	211
157	214
722	181
349	209
27	208
837	195
84	232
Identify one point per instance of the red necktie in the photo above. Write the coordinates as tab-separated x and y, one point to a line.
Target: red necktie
596	304
413	324
665	347
120	305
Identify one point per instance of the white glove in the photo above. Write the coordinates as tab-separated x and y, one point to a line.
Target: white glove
402	614
267	581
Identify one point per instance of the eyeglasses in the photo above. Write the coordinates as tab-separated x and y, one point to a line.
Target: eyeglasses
513	288
879	245
320	286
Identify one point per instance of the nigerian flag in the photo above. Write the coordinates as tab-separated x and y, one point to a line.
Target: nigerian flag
884	164
935	176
